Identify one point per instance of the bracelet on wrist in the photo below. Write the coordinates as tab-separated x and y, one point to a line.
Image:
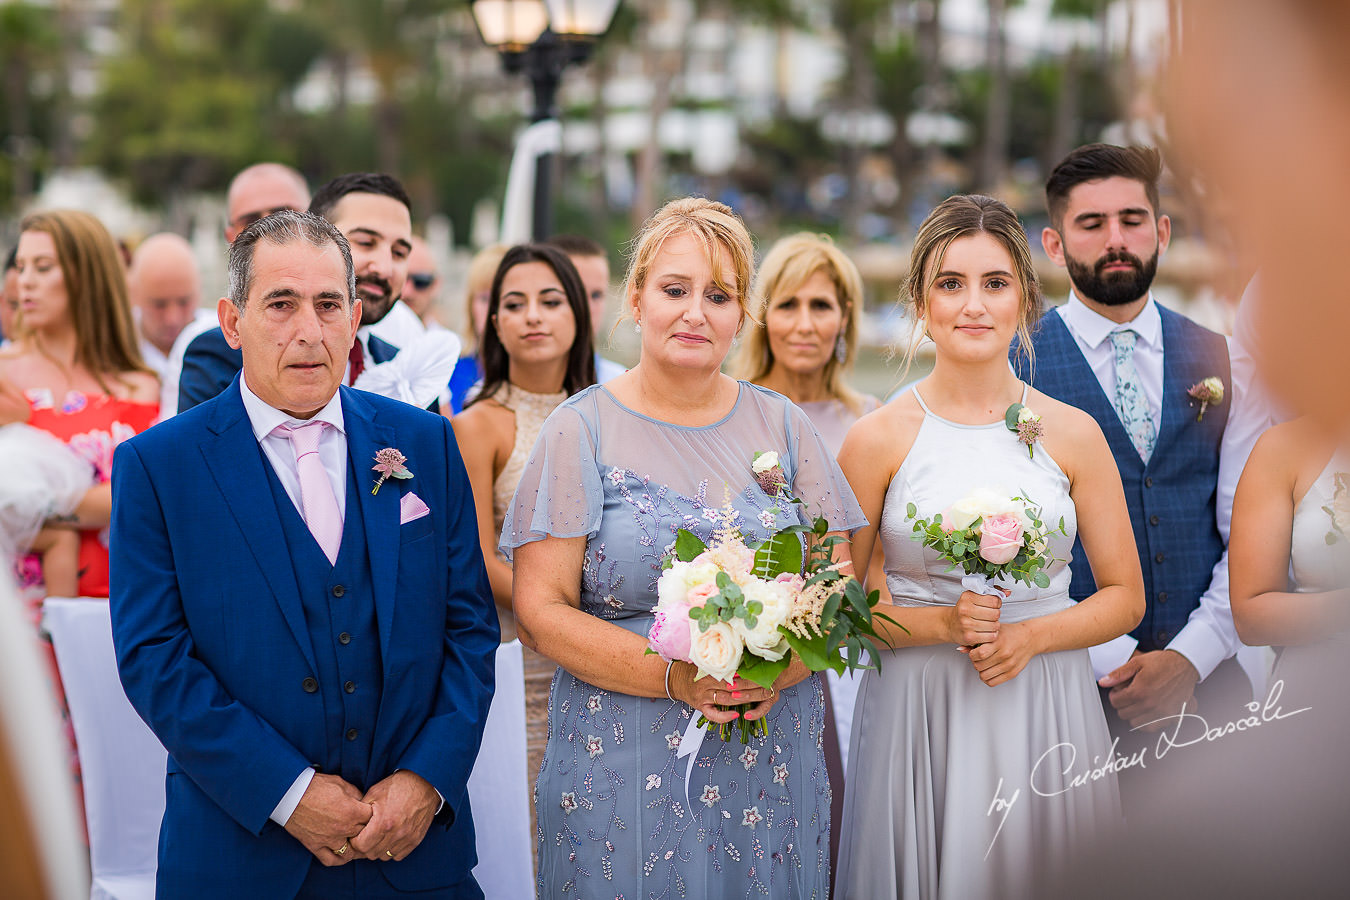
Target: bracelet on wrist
669	665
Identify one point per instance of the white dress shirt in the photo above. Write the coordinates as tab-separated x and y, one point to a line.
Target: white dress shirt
1208	637
400	326
204	320
279	452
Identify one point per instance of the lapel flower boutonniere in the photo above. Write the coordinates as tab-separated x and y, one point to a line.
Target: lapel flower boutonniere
768	472
389	463
1024	423
1209	391
1339	510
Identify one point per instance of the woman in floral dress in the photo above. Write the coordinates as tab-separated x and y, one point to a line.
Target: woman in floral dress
616	471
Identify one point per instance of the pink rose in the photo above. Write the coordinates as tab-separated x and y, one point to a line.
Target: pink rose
1000	538
669	634
948	520
699	593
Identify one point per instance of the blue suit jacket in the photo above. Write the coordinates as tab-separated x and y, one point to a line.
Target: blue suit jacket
210	364
1171	498
214	653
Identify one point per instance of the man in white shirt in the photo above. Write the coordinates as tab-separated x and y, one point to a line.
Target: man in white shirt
164	286
593	266
1131	363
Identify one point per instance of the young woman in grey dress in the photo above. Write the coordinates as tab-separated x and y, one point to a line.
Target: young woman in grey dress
962	764
616	471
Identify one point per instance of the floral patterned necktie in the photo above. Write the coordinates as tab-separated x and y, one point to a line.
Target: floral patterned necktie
1131	404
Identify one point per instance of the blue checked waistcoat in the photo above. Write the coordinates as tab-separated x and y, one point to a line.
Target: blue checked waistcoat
1171	498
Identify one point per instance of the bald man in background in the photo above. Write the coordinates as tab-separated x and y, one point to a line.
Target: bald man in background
260	190
165	289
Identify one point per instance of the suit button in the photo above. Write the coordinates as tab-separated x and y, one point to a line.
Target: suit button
1148	482
1164	636
1153	520
1159	558
1162	596
344	638
350	687
339	590
351	734
310	684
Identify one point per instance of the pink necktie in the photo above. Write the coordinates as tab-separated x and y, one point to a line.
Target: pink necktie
317	501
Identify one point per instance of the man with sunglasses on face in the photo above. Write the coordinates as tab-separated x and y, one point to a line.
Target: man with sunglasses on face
373	212
423	286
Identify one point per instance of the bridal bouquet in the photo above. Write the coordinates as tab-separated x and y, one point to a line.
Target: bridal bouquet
989	535
732	608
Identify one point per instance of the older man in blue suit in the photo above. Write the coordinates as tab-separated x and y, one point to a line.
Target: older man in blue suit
311	638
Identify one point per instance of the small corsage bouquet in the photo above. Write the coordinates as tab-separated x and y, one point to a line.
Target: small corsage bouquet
990	536
1209	392
1024	423
389	462
732	608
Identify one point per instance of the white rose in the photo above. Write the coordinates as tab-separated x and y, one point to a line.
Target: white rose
1026	415
765	640
673	585
764	462
716	652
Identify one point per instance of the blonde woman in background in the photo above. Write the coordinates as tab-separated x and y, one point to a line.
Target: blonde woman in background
808	296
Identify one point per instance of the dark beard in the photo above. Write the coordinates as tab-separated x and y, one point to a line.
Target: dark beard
1113	288
374	308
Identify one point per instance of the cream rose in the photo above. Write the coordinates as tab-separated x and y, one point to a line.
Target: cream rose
716	652
764	462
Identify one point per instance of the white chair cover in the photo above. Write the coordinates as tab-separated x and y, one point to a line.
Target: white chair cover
498	788
121	760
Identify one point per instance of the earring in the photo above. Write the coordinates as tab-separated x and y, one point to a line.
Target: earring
637	327
736	341
840	348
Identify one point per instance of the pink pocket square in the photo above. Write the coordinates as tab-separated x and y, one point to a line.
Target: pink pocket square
411	507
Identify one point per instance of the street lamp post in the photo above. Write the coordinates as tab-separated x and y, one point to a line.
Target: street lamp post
542	38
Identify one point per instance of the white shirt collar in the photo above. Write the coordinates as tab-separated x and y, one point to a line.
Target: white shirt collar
1093	328
265	418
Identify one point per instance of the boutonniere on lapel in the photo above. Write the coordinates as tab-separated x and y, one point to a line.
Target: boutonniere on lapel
1024	423
1209	391
1339	510
390	464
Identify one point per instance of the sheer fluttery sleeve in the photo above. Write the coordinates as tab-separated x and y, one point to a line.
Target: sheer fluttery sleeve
559	493
816	478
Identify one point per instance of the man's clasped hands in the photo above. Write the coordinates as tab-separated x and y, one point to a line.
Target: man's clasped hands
337	823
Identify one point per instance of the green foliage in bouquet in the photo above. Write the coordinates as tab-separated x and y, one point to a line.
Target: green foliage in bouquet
961	547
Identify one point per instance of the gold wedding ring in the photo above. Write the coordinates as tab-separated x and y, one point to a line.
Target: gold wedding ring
389	853
343	849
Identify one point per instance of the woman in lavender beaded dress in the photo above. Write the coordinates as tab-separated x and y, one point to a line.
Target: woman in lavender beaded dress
616	471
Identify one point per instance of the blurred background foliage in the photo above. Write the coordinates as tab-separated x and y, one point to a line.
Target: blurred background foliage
169	98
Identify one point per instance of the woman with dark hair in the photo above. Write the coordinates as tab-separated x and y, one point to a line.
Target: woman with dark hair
536	351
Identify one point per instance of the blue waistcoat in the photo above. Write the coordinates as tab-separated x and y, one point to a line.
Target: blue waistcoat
1171	498
339	606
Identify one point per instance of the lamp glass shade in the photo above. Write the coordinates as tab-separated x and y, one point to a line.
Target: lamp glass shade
581	18
510	24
